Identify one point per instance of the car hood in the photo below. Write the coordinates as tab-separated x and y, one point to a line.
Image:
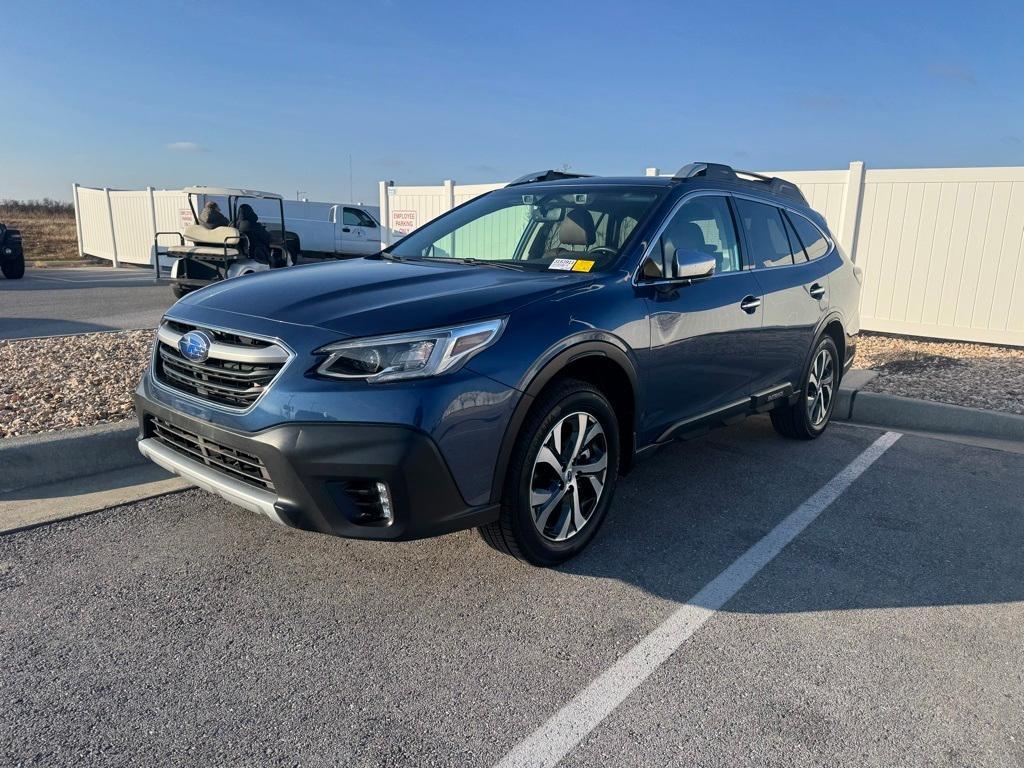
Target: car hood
364	297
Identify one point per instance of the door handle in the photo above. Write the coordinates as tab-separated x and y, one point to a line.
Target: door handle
345	229
817	291
750	304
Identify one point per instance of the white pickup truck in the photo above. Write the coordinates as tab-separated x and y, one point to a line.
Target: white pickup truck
330	230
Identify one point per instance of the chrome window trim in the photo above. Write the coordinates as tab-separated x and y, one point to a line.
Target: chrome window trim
637	282
209	403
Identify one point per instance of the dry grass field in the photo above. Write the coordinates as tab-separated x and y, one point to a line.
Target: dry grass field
47	228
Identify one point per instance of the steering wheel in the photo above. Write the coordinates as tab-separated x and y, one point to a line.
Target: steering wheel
601	249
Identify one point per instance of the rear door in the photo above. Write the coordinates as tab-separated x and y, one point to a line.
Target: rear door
794	289
360	235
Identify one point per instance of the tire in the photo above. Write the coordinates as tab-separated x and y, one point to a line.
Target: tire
179	290
577	500
14	269
808	418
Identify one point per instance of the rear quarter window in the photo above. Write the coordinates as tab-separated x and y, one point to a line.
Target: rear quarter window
815	243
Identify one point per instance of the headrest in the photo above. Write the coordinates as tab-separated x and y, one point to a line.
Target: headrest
690	237
577	228
683	237
197	233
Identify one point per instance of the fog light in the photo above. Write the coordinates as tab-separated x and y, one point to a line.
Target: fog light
384	496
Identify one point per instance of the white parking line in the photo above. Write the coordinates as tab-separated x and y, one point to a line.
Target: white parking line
553	740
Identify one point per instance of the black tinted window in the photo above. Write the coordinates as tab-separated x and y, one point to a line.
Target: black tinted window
794	242
813	240
765	232
354	217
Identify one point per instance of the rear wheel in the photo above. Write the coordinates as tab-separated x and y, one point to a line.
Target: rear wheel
179	290
561	476
14	269
807	418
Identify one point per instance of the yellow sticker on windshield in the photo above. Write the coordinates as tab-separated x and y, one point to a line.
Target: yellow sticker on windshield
582	266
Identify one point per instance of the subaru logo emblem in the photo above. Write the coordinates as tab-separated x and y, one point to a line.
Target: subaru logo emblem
195	346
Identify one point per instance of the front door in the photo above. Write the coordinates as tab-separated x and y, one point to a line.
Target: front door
360	234
703	335
795	292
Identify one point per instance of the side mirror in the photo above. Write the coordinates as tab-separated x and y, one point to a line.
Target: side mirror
693	265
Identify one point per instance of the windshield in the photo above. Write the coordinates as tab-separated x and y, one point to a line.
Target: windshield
581	229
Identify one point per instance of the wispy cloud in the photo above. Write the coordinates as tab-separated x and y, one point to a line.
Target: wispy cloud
1015	140
184	146
953	72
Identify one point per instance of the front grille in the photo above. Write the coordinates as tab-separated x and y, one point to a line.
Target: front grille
234	463
238	370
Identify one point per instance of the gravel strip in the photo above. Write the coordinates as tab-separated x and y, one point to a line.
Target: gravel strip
975	375
62	382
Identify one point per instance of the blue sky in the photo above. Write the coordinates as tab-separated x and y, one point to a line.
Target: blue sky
277	95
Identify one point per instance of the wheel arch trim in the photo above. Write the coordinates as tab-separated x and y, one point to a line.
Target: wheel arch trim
540	374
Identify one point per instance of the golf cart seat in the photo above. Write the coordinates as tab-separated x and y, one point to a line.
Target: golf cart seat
220	241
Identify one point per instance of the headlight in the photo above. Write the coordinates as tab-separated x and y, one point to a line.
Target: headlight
409	355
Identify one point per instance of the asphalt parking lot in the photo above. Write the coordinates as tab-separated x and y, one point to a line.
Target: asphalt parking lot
59	301
184	631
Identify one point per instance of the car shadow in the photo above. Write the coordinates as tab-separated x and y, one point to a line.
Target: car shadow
931	523
13	328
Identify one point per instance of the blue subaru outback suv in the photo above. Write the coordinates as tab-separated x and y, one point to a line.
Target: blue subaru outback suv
503	365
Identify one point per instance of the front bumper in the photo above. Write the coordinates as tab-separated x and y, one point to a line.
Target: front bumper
310	464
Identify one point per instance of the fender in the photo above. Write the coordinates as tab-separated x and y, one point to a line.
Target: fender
549	365
832	315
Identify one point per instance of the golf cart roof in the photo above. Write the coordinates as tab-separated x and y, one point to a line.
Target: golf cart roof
230	192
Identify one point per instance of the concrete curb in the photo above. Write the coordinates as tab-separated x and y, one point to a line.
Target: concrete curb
876	408
52	457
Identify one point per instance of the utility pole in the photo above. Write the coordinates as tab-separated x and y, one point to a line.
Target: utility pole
351	186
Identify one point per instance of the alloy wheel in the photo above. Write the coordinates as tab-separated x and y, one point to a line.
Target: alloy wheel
569	475
820	387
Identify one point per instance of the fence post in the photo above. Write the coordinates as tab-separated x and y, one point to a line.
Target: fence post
156	248
650	172
849	219
385	215
113	237
78	219
449	194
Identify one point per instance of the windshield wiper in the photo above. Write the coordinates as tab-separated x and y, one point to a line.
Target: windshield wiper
476	262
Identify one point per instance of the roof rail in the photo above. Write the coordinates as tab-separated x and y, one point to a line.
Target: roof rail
549	175
727	173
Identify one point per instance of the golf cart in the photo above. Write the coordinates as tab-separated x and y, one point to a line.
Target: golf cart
204	256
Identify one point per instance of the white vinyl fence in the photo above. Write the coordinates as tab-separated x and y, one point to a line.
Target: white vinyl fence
120	224
941	248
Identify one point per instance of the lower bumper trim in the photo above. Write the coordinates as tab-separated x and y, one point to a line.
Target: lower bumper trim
254	499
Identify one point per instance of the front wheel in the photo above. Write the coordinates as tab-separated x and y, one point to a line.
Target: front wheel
807	418
561	476
179	291
14	269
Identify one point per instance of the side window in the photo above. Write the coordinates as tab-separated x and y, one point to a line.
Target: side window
813	240
794	242
702	224
353	217
766	233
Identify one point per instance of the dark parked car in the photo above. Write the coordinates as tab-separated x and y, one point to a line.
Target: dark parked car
501	366
12	258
